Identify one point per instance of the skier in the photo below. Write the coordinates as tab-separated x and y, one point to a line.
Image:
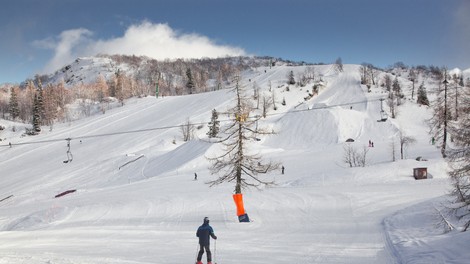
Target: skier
195	176
204	232
282	169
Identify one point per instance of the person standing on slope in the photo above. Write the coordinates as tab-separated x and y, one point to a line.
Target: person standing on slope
204	232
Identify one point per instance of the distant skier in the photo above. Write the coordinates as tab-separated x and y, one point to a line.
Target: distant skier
282	169
204	232
195	176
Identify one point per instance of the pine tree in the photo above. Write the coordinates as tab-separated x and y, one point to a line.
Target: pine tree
190	83
13	106
36	115
214	125
291	78
40	99
422	95
237	164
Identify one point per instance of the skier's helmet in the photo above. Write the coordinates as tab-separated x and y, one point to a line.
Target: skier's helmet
206	220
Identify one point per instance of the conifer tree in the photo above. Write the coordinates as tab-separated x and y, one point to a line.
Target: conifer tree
36	115
291	78
214	125
190	83
422	95
13	105
40	99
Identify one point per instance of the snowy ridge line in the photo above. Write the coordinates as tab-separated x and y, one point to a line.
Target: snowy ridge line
176	126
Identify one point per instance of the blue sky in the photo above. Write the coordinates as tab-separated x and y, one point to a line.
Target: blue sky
40	36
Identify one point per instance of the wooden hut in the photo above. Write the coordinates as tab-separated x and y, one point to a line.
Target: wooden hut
420	173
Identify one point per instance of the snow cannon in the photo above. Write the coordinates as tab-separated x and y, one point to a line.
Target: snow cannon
242	216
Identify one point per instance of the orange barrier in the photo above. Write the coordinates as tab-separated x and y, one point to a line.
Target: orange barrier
238	198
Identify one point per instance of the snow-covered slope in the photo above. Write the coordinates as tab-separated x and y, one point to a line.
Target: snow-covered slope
87	70
136	200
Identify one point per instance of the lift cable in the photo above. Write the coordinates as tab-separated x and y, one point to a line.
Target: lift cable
176	126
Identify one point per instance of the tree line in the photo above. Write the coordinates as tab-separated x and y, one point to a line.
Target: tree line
42	102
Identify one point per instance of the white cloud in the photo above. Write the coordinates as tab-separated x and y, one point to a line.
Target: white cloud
66	47
157	41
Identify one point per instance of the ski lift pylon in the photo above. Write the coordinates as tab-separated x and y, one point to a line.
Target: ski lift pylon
69	153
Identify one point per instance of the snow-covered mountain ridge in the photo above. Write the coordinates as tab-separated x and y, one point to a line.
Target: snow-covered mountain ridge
88	69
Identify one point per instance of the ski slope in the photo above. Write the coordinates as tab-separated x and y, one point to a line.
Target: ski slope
137	201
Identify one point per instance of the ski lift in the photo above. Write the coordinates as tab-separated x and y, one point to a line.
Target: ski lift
383	114
69	153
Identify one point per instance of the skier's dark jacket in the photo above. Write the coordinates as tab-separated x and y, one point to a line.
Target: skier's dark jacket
203	232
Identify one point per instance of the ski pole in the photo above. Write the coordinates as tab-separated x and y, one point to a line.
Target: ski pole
215	251
197	251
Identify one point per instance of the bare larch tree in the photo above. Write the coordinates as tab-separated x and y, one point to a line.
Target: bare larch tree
459	157
237	163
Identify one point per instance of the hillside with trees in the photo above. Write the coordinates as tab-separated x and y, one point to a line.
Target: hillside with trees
333	148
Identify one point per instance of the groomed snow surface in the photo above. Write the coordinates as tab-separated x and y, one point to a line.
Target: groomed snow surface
136	199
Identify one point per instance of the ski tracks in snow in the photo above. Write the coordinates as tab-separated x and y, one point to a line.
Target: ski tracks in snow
333	229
